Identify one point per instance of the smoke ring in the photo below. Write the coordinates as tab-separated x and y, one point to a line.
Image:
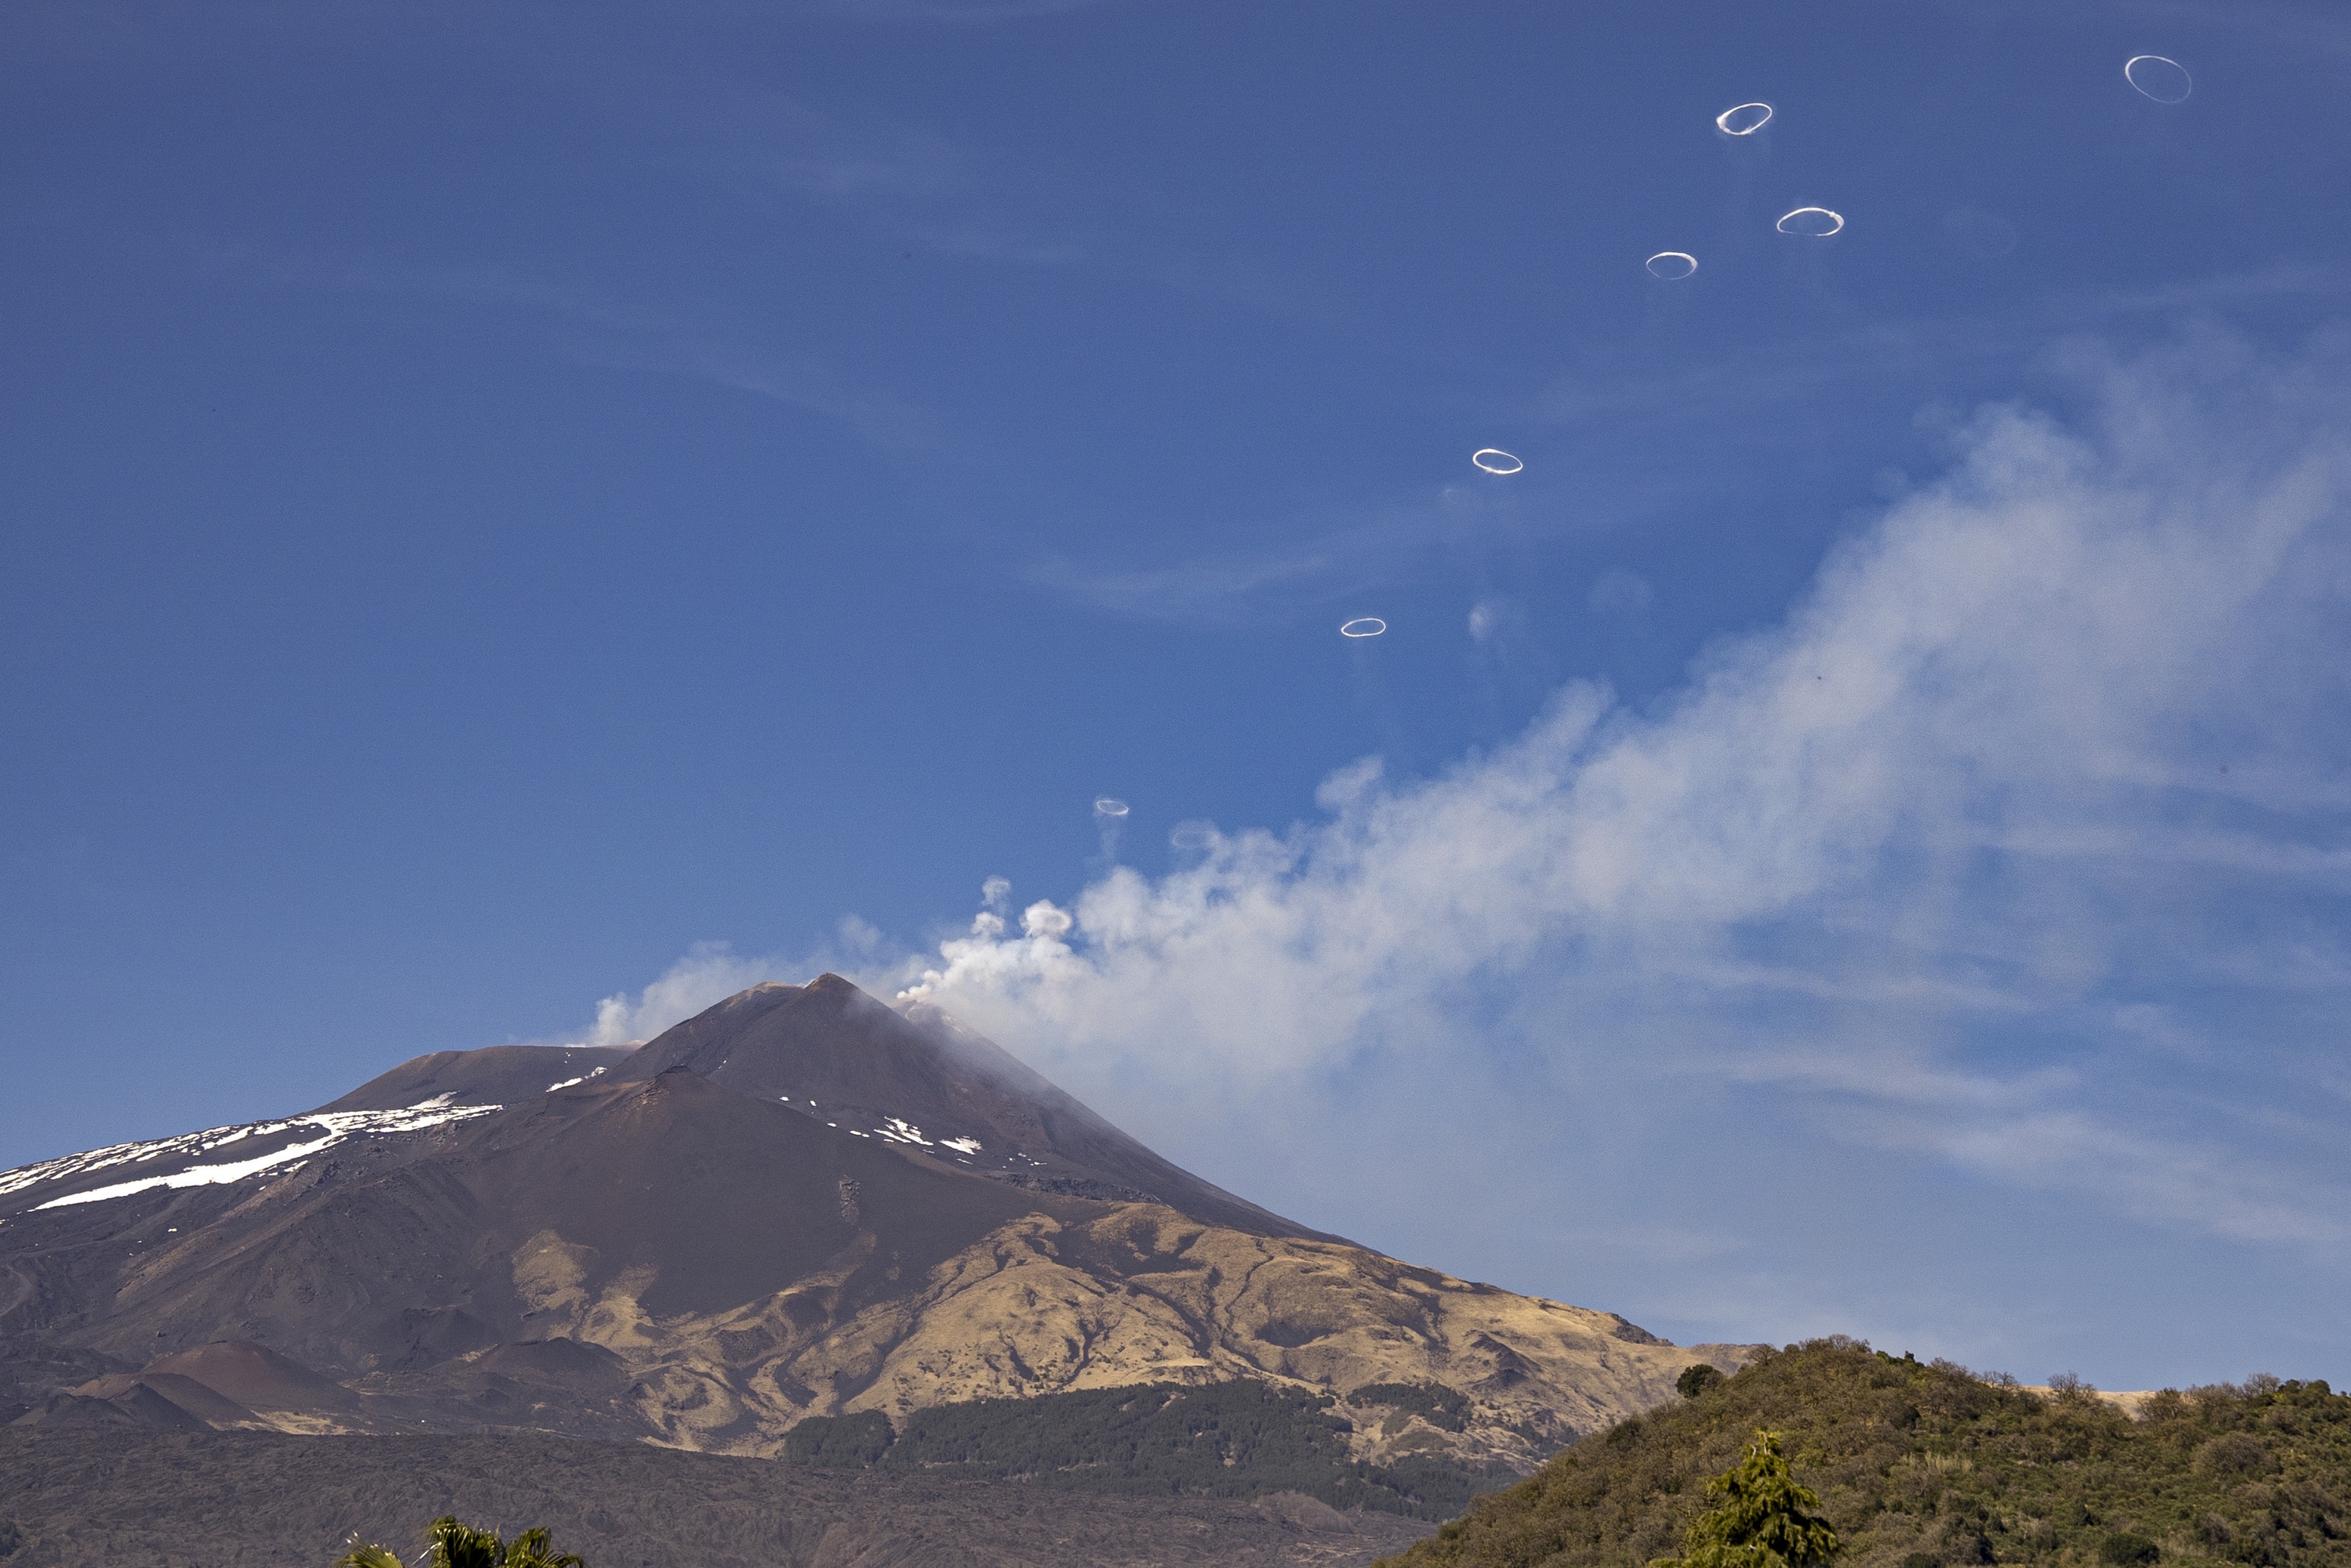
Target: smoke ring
1813	222
2155	77
1743	119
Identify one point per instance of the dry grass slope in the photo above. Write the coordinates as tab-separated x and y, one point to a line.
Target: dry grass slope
1141	1295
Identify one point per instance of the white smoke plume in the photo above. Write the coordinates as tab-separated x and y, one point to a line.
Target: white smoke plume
2037	797
708	974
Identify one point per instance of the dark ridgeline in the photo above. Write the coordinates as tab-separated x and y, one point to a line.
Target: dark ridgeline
493	1075
259	1500
1224	1439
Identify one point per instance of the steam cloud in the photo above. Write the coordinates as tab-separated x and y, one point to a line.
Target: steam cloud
1986	915
708	974
2038	794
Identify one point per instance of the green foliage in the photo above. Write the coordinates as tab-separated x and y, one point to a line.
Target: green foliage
1446	1409
453	1543
536	1549
456	1545
1696	1380
1223	1440
1928	1465
363	1555
1764	1520
839	1442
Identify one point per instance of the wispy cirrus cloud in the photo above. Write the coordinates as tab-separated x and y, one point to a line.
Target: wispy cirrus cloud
1212	591
1615	402
595	329
971	11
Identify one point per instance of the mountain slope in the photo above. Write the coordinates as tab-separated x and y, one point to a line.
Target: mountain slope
653	1253
922	1080
1923	1467
493	1075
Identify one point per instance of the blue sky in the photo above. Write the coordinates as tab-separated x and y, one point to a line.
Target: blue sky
507	511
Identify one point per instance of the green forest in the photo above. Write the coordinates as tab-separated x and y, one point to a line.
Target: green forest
1929	1465
1223	1440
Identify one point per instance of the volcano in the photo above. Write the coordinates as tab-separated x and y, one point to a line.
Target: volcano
799	1203
826	1050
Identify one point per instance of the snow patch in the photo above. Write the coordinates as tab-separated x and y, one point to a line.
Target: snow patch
966	1145
336	1126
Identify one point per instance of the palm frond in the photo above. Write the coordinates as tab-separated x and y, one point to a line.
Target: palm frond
536	1549
456	1545
363	1555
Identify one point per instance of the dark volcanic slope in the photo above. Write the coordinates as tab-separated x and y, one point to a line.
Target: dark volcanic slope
834	1053
495	1075
798	1204
260	1501
697	1199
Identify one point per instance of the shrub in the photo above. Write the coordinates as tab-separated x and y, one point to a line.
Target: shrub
1972	1546
2232	1454
1696	1380
2126	1550
1446	1409
839	1442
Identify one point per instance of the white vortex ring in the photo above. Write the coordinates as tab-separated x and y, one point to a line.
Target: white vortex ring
2154	76
1813	222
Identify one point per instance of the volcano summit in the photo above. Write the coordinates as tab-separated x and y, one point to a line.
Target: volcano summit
799	1203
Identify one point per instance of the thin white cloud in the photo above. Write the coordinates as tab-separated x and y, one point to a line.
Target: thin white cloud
1916	846
708	974
609	334
1620	592
2318	28
1327	561
795	380
1200	590
971	11
2198	1182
